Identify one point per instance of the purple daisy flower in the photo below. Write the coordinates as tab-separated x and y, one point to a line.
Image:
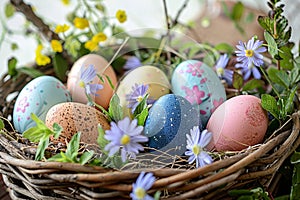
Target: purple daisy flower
125	135
195	145
132	63
137	95
87	75
223	73
249	57
143	183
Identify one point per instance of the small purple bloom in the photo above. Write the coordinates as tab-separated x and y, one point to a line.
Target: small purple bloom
125	135
223	73
87	75
143	183
195	145
249	57
132	63
137	95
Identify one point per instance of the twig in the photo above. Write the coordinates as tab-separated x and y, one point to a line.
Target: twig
175	22
43	28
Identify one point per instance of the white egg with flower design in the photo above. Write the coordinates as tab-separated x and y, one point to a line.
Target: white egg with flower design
200	85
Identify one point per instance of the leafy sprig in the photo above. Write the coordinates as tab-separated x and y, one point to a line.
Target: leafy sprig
41	134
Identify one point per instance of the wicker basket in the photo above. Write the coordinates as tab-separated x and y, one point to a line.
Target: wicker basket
29	179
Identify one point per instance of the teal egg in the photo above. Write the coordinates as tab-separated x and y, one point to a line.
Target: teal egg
37	97
200	85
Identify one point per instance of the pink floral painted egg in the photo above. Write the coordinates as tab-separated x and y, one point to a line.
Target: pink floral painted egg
37	97
200	85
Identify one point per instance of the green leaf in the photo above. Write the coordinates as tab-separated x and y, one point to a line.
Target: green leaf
9	10
224	47
142	117
279	77
269	103
1	125
295	158
34	73
295	75
101	140
289	105
40	152
266	23
14	46
60	157
85	157
157	195
57	129
237	11
141	106
60	66
253	84
295	190
237	81
286	55
109	81
115	110
12	65
73	147
272	45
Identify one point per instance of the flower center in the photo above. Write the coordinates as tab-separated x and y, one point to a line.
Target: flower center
125	139
81	84
220	71
140	193
139	98
196	149
249	52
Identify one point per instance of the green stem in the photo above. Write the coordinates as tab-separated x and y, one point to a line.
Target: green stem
270	82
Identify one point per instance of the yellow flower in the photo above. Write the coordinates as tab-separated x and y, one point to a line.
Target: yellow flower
80	23
91	45
42	60
65	2
56	46
99	37
61	28
39	49
121	16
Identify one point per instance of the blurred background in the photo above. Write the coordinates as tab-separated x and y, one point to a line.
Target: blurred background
207	16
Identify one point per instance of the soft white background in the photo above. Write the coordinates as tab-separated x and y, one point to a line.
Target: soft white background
141	14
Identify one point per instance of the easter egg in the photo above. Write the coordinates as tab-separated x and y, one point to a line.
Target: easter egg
238	123
37	97
170	118
103	69
76	117
200	85
154	77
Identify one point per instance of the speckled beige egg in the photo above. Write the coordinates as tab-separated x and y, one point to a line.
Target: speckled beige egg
155	78
103	69
74	117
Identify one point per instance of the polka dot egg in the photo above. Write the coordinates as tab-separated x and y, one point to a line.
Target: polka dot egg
170	118
37	97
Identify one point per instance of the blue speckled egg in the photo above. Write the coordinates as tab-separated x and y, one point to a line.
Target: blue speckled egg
170	118
200	85
37	97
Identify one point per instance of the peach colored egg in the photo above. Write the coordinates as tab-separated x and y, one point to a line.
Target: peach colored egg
238	123
74	117
102	68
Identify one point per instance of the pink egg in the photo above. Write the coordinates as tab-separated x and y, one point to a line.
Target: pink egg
238	123
102	68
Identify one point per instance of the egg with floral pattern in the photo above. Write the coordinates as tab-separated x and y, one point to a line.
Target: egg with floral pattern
37	97
200	85
170	118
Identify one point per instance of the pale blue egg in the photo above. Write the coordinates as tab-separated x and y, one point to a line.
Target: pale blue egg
200	85
37	97
170	118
